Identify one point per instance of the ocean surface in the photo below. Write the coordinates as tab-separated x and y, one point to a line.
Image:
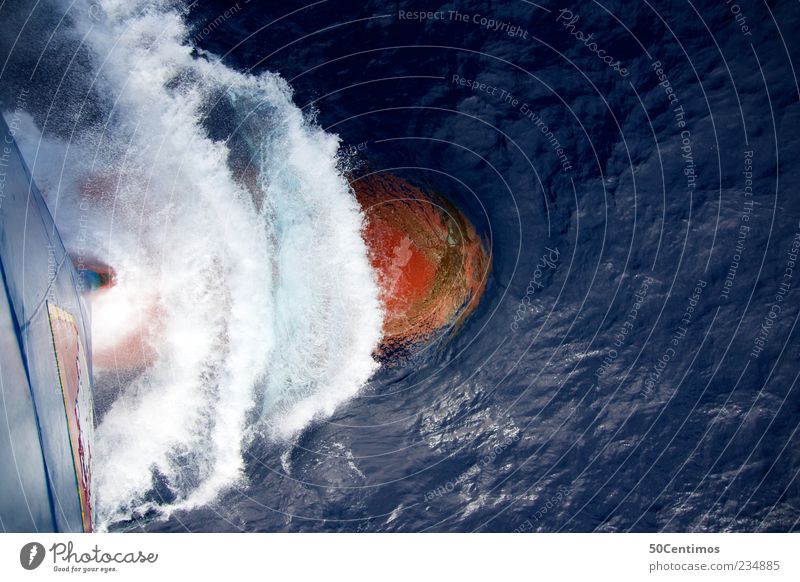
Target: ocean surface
632	365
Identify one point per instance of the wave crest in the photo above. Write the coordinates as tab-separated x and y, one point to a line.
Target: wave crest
243	278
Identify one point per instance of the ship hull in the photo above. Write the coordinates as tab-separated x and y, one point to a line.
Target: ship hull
46	404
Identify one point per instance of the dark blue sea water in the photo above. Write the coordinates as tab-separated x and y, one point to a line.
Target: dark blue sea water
632	365
614	401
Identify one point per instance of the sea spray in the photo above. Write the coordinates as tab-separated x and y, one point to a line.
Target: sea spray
242	273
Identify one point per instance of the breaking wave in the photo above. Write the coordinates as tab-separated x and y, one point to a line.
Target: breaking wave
245	303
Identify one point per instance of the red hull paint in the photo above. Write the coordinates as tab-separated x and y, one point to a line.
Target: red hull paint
431	264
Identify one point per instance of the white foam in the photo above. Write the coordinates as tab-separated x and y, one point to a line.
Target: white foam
271	299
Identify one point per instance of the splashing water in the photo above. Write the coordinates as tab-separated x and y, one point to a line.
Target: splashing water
242	274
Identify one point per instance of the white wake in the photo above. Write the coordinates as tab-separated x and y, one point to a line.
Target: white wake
241	267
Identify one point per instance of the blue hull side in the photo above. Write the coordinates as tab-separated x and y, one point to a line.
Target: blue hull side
45	477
